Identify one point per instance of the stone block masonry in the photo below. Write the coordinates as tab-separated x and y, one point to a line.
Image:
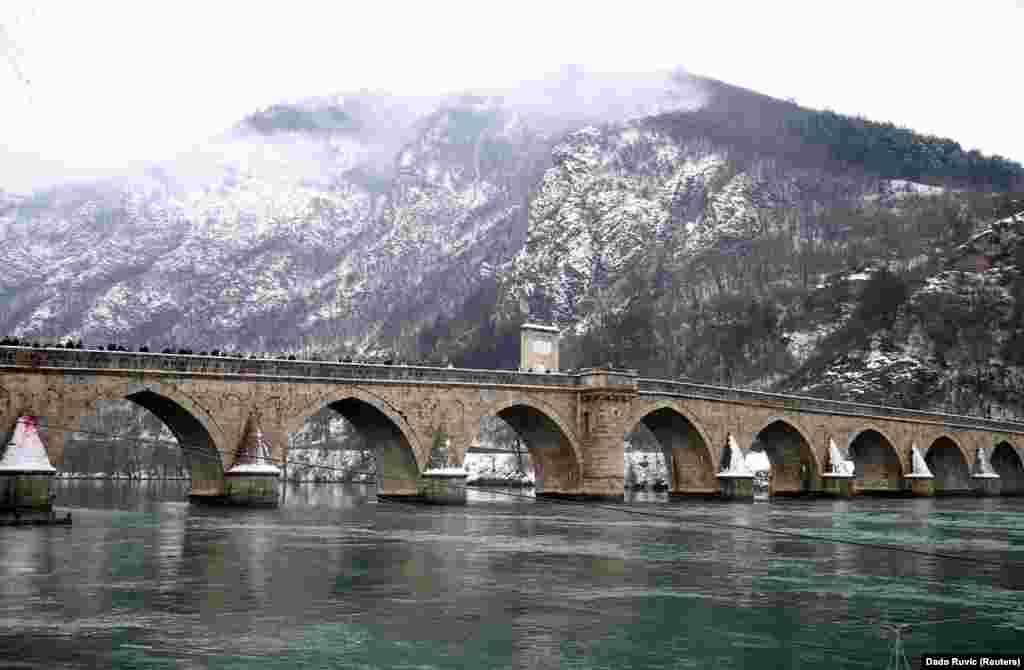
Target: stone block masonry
574	425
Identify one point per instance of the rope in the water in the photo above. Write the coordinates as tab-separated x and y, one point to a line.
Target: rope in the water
204	451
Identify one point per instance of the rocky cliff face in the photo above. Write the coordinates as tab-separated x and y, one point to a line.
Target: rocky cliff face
626	197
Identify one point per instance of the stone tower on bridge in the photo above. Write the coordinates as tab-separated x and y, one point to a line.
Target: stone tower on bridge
538	348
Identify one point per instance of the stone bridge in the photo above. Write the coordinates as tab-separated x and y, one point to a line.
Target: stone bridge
574	425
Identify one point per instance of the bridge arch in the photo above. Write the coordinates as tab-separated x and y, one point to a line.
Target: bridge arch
794	462
950	465
883	432
554	450
399	453
690	456
294	421
877	466
1008	462
202	440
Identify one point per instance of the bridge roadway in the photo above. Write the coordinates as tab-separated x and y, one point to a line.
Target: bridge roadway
573	424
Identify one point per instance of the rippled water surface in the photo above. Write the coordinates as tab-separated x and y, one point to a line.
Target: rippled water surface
334	579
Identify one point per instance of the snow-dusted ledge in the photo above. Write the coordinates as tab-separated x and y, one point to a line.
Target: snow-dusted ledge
839	467
920	467
757	461
254	469
25	452
737	467
256	460
445	472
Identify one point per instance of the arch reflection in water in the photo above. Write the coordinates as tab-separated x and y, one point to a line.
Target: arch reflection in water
171	544
946	461
22	557
256	542
333	496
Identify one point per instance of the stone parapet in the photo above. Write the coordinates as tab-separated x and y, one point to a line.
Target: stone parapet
607	378
819	405
87	362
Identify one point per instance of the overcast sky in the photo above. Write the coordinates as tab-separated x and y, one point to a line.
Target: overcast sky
113	84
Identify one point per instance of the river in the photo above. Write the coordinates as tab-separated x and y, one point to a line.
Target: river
334	579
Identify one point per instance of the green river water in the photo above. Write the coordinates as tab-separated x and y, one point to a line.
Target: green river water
333	579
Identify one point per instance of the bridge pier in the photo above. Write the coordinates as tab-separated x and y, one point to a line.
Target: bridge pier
445	486
245	489
920	481
253	480
207	480
838	486
596	492
26	476
736	487
986	485
432	488
921	486
985	481
603	406
234	489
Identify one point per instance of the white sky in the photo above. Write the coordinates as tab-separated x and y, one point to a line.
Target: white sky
117	83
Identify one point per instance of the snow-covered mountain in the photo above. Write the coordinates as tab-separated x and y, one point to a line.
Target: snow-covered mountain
340	221
673	224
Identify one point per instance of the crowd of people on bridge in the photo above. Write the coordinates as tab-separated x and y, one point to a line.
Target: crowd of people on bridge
25	342
185	351
9	341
